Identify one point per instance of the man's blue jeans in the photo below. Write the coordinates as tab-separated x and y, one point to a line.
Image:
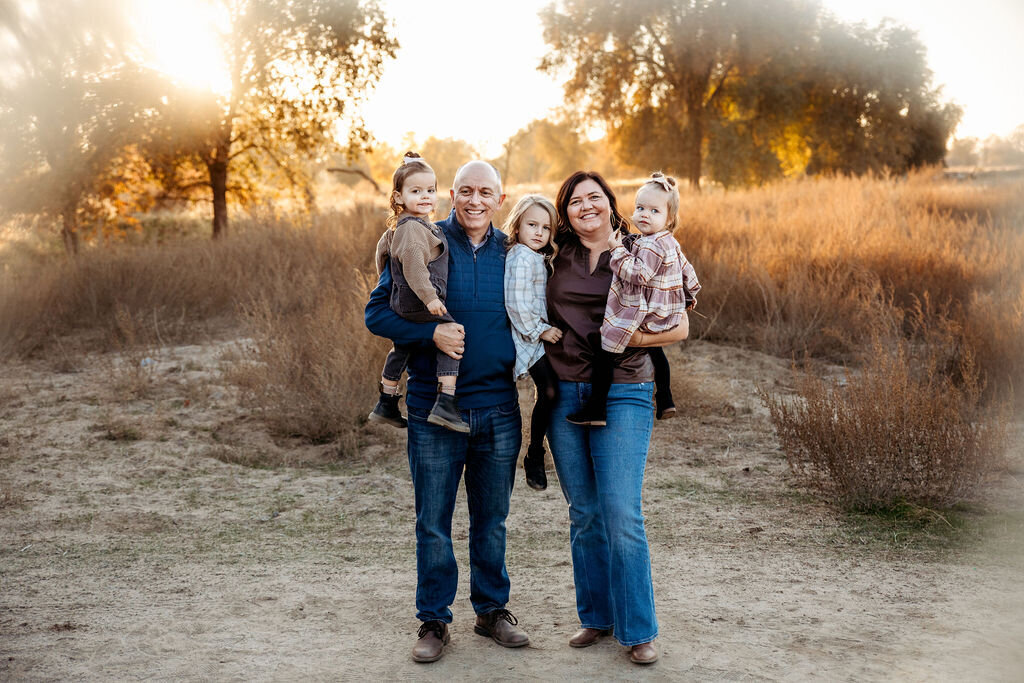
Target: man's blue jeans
437	458
601	471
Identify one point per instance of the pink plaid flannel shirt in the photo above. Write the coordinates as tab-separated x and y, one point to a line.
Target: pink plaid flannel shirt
652	285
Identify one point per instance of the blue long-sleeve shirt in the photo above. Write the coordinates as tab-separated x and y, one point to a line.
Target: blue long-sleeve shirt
476	299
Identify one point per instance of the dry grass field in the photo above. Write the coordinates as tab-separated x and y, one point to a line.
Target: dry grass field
188	489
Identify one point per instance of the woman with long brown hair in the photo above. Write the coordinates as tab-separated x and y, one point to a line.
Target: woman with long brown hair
601	468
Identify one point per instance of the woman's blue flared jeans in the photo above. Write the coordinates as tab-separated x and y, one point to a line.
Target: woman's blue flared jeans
437	459
601	471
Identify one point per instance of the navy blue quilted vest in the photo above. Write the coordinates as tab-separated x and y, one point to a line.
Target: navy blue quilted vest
476	299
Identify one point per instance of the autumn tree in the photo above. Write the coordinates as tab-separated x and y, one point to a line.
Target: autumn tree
759	89
298	70
375	166
857	99
71	100
870	105
654	71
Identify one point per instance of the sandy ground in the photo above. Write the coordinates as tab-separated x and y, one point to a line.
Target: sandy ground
138	540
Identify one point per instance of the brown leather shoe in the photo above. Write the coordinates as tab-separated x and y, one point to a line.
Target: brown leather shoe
433	637
644	653
501	626
586	637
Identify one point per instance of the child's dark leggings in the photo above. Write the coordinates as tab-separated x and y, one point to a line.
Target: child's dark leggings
398	358
662	376
601	377
547	393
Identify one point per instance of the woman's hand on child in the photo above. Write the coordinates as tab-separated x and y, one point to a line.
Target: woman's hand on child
615	239
552	335
676	334
436	307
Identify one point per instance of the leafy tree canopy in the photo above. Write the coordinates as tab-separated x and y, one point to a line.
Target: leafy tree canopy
71	99
757	88
298	70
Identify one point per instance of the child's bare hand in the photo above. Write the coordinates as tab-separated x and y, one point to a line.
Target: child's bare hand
615	239
437	308
552	335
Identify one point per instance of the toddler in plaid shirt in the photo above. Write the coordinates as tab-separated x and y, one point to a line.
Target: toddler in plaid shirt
652	286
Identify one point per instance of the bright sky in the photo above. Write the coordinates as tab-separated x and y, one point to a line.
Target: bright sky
468	69
492	66
163	24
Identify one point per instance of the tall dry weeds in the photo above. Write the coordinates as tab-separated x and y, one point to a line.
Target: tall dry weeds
297	289
311	368
821	266
176	291
899	432
817	266
132	372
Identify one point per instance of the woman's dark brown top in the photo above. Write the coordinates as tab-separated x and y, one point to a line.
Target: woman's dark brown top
576	301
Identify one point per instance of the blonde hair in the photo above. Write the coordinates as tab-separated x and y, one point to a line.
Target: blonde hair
411	163
515	219
667	184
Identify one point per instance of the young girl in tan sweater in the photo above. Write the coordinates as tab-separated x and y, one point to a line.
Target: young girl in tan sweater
417	253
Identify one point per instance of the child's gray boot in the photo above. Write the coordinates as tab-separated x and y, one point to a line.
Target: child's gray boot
386	411
446	414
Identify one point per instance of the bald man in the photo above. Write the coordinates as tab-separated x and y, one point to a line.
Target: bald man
481	337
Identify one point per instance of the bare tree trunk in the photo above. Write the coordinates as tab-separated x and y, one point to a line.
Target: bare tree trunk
69	231
508	147
219	184
309	198
694	137
693	162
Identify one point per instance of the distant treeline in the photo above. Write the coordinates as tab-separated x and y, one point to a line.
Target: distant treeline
993	151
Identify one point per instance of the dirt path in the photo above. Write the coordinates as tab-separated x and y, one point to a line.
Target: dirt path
137	541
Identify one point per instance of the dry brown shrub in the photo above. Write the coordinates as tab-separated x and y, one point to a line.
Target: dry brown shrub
994	326
889	436
131	373
312	366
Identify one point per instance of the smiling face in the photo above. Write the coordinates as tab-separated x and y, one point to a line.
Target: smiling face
535	228
589	211
476	195
418	195
651	212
